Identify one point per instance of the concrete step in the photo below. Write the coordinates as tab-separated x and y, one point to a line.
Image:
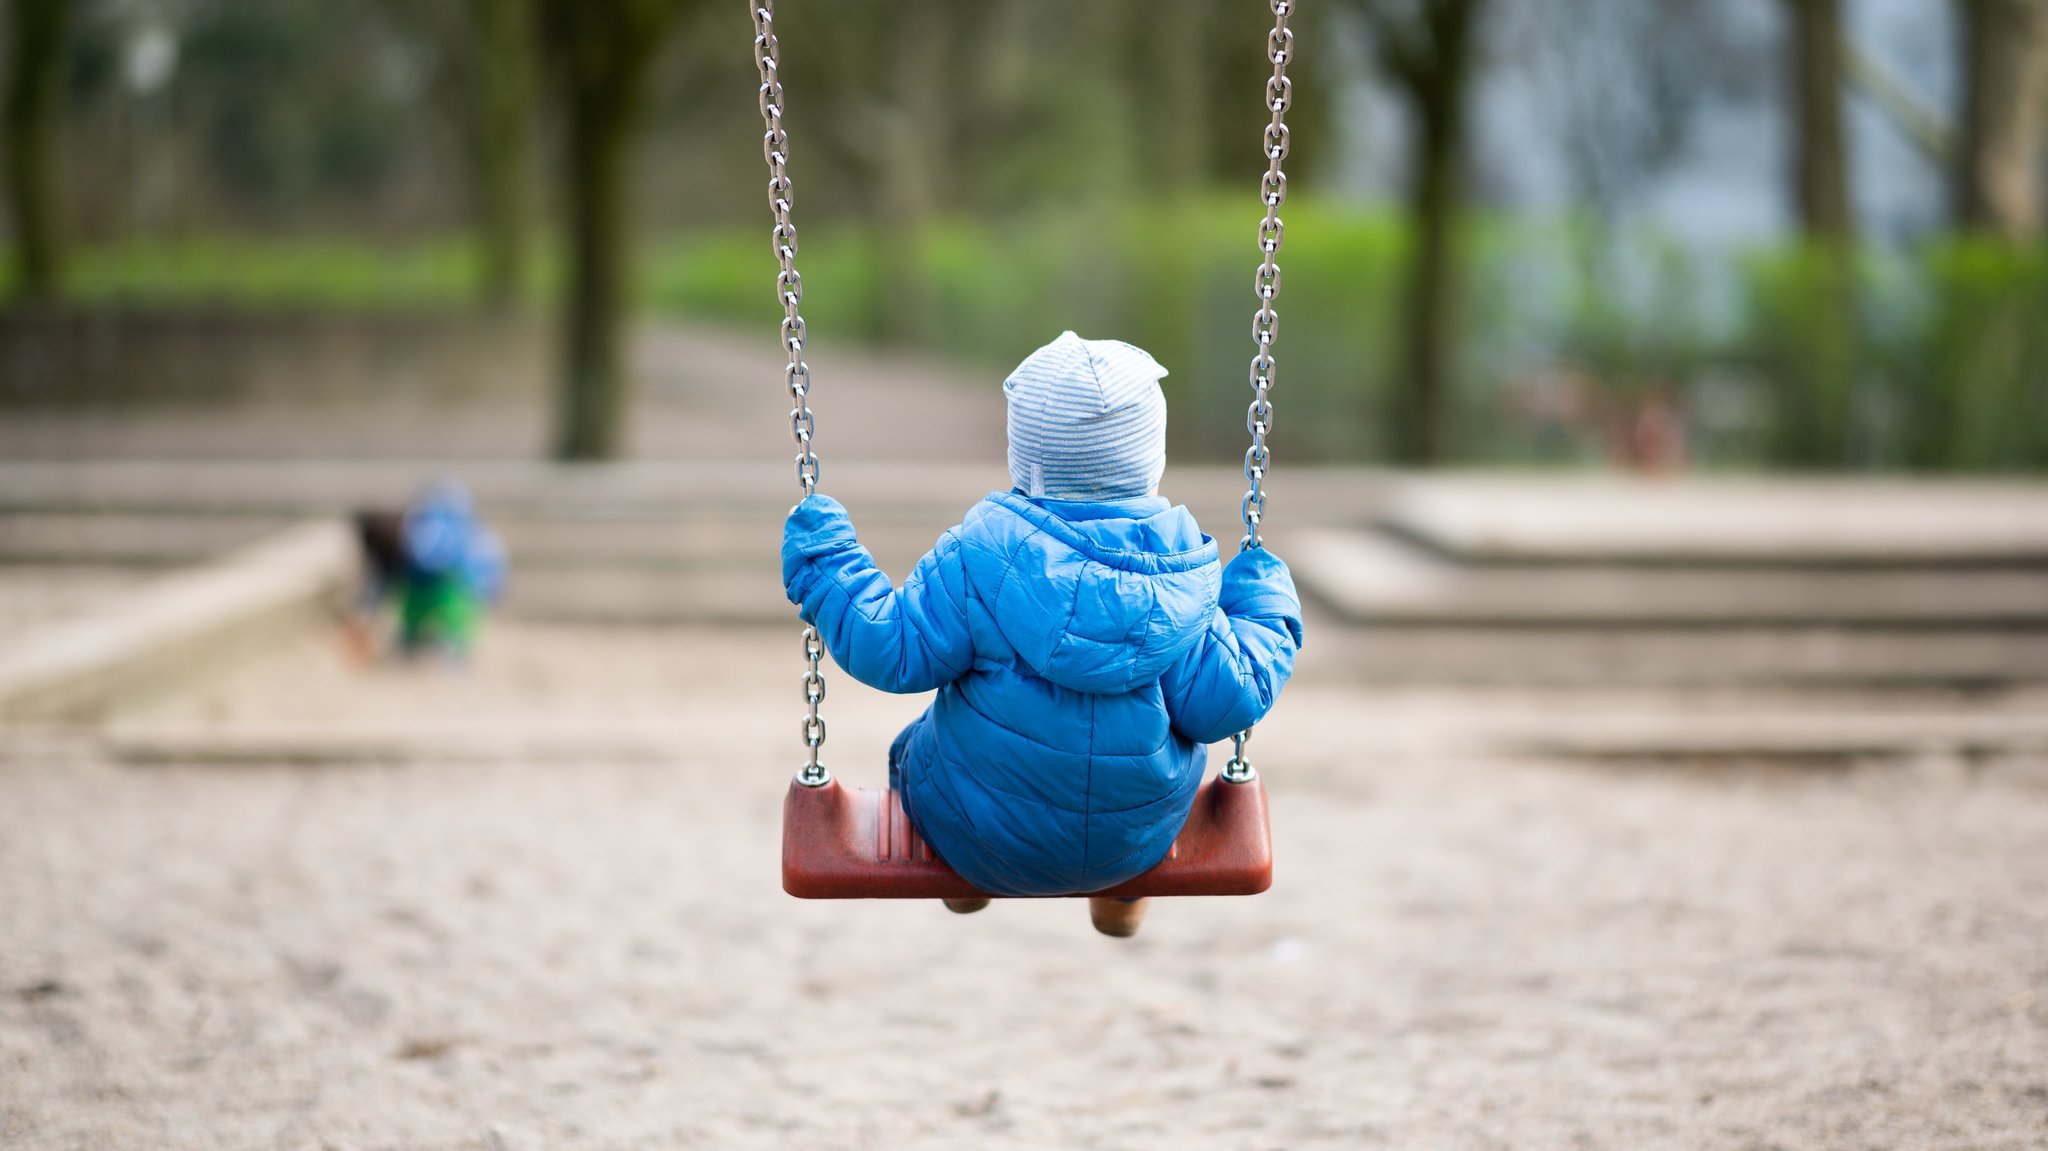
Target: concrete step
649	596
696	544
172	539
154	636
1774	521
1638	723
1372	577
1339	651
127	540
680	516
626	490
669	490
1749	655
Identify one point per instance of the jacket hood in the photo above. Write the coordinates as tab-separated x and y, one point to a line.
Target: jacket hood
1100	597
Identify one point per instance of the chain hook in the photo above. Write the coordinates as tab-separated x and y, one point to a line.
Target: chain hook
1239	769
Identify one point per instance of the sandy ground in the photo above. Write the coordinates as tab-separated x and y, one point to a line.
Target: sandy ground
540	953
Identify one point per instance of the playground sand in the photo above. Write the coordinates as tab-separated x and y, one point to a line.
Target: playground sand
1459	952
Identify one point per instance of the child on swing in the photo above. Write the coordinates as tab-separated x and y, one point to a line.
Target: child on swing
1084	639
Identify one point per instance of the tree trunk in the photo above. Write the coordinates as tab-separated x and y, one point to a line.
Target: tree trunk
2005	77
593	397
1815	404
1433	62
37	41
502	126
1432	286
1181	54
1820	161
917	134
599	56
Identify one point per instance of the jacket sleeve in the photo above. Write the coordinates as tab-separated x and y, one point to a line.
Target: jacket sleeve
1230	678
903	640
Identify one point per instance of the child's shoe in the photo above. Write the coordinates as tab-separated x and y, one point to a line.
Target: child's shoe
965	906
1118	917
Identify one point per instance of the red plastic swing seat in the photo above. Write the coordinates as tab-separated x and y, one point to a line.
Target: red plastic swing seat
856	843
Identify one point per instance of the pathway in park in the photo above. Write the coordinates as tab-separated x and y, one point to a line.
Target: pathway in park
704	394
1707	815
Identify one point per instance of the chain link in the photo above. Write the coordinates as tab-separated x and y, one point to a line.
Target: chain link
789	288
1258	419
1266	282
813	773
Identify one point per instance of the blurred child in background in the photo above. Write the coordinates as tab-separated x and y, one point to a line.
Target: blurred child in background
439	564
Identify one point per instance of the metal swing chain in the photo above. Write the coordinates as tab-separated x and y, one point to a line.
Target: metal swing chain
789	286
1266	321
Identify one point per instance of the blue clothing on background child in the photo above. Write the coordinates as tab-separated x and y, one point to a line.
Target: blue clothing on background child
1084	650
450	568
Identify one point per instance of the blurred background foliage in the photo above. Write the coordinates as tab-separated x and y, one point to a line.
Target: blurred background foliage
973	177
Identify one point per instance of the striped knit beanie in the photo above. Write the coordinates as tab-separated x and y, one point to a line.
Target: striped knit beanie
1087	421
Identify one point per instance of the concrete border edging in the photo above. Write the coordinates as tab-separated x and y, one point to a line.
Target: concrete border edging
76	668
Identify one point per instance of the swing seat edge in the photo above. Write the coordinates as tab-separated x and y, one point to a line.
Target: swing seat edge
856	843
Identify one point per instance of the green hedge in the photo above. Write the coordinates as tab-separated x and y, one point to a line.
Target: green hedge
1934	360
1176	280
269	273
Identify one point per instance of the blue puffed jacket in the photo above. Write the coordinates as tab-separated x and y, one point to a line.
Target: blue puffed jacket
1083	653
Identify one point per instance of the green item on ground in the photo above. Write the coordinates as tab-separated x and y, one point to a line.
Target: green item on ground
437	613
